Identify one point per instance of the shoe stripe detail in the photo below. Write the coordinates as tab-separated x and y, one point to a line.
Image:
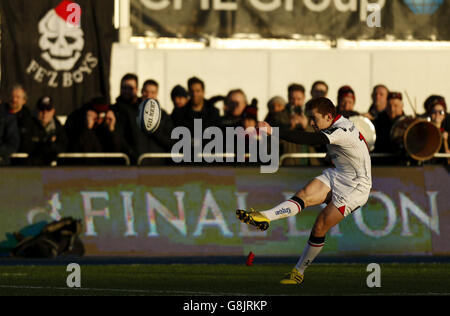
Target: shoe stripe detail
293	278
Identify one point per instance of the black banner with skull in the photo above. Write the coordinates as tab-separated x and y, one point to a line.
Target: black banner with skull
55	48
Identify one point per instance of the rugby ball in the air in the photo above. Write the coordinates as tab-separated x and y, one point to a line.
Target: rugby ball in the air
149	116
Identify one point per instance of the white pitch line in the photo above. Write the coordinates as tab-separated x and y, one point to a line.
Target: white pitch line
29	287
6	274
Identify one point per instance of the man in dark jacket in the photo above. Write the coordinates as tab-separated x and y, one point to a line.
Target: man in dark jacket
197	108
48	137
379	101
126	109
383	126
17	106
9	135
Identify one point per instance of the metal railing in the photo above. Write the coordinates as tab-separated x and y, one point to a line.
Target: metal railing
143	157
95	156
20	156
19	159
157	156
438	155
25	156
172	156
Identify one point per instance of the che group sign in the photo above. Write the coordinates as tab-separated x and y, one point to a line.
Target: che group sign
402	19
191	211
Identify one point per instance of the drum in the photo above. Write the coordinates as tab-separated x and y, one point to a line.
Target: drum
420	138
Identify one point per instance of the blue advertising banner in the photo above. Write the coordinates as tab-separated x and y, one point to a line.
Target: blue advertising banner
191	211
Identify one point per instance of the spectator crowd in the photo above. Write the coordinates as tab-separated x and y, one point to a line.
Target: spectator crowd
100	126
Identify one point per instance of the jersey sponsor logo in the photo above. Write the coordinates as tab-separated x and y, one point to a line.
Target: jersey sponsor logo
331	130
283	211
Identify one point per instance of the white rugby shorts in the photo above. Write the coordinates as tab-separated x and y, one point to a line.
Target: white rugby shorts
347	195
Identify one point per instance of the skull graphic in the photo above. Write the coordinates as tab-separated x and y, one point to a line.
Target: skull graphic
61	42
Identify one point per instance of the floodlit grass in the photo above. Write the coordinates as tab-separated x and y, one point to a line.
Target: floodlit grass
225	280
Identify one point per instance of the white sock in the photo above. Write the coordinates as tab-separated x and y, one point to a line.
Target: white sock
286	209
312	249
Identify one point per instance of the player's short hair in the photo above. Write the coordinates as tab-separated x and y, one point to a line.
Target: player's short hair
323	106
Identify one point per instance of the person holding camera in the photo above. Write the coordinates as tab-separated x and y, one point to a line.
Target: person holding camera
296	97
290	115
95	128
234	108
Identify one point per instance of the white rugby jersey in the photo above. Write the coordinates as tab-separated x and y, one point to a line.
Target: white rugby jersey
349	152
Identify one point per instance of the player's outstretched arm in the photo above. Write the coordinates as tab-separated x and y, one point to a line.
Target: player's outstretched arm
296	136
304	138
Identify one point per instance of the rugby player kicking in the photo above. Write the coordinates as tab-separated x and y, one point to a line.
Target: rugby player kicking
344	188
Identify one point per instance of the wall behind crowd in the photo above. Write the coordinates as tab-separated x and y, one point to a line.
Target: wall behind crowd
266	73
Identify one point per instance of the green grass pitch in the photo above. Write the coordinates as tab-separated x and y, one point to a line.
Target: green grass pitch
225	280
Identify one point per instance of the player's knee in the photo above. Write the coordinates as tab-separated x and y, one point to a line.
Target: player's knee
301	193
304	196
